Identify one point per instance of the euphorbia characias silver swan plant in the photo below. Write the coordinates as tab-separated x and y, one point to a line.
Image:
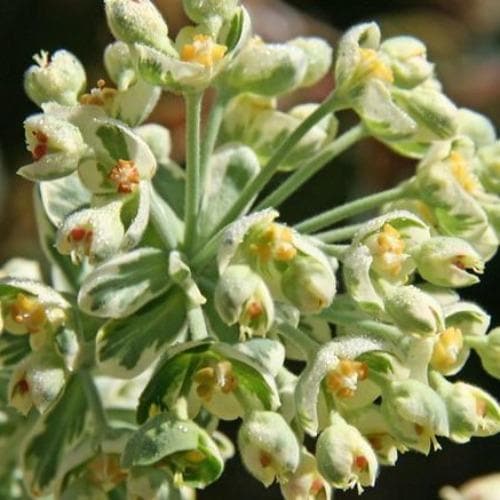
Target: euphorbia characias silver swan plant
178	296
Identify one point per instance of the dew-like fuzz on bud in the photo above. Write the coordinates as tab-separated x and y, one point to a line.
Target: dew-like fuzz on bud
216	378
343	380
203	51
447	348
28	312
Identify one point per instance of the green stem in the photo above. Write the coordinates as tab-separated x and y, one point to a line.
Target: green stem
300	339
333	250
166	223
197	325
352	208
476	341
192	195
211	132
348	318
208	251
268	170
303	174
339	234
95	403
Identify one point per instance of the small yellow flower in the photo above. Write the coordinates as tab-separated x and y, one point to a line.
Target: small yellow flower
447	349
462	173
125	176
275	243
216	378
203	51
372	66
29	313
343	380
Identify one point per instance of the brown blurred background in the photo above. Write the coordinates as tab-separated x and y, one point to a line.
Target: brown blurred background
463	38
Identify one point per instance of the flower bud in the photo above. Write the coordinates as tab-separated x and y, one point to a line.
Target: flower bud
96	233
60	78
308	284
416	414
55	145
118	63
414	311
201	11
476	126
158	139
267	69
306	483
345	458
319	58
444	261
152	483
407	58
242	297
471	411
268	447
488	350
489	170
36	381
137	21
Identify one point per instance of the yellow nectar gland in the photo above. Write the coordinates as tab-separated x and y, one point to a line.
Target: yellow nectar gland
99	96
29	312
447	348
194	456
275	243
390	247
125	176
218	377
343	380
461	171
372	66
203	51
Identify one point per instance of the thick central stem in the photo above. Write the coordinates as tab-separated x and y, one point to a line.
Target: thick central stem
192	195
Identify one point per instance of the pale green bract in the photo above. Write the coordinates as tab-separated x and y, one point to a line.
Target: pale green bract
178	297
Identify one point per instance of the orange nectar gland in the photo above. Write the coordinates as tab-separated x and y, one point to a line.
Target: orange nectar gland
22	387
219	377
316	486
371	65
80	238
448	346
41	148
390	247
105	470
275	243
98	96
29	312
461	171
203	51
343	380
125	176
360	463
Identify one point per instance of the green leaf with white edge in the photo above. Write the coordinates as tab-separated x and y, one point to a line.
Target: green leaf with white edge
53	436
169	183
164	439
61	197
122	285
327	358
217	328
230	169
180	273
126	347
13	348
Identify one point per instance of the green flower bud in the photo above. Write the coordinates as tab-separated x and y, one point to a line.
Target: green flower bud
56	146
152	483
306	482
407	58
96	233
414	311
137	21
267	69
118	63
60	78
242	297
477	488
471	411
319	58
345	458
475	126
488	350
200	11
36	381
416	414
268	447
489	169
158	139
309	284
444	261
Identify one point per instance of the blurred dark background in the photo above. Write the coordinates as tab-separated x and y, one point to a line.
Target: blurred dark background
463	38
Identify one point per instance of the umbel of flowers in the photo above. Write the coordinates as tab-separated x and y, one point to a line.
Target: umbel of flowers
178	296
